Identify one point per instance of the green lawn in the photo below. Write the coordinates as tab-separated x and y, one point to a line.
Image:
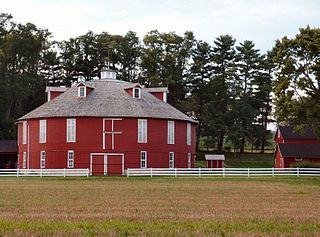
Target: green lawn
245	160
281	206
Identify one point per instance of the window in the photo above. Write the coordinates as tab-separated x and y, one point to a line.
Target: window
71	130
143	159
142	131
171	160
82	91
189	160
137	92
42	131
170	132
42	159
189	134
70	159
24	132
24	161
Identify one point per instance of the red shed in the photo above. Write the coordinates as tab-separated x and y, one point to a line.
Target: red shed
294	147
106	125
214	160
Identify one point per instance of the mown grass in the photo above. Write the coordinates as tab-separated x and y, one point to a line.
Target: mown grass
117	206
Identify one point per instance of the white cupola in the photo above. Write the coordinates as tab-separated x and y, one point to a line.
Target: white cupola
107	73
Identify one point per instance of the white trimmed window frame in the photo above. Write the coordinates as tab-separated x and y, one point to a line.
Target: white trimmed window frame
24	160
189	134
71	129
189	162
171	160
42	159
143	159
24	132
138	90
170	139
82	91
42	131
165	96
70	159
142	131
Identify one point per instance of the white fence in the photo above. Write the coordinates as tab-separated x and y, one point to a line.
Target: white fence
45	172
223	172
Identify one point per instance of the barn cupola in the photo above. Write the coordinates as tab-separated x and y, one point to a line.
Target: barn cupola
107	73
83	89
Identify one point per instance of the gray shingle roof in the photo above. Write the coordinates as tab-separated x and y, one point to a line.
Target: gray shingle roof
108	99
300	150
288	132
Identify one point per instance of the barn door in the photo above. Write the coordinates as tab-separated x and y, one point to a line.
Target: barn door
115	164
97	164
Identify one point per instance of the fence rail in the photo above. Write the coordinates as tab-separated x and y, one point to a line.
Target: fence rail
248	172
45	172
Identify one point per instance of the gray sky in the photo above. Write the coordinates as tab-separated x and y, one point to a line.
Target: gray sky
261	21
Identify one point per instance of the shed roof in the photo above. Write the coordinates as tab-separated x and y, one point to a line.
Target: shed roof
299	150
214	157
288	132
8	146
108	99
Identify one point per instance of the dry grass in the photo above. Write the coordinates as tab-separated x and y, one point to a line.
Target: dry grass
160	206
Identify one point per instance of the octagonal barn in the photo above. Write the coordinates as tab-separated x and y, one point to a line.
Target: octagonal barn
106	125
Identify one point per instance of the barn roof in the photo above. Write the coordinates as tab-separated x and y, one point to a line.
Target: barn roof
8	146
108	99
288	132
300	150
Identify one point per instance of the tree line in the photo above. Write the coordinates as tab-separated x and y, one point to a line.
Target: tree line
226	86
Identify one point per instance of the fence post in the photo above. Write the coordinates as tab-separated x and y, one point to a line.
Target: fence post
17	172
224	172
199	172
41	173
272	171
88	172
64	172
151	173
298	174
175	172
248	172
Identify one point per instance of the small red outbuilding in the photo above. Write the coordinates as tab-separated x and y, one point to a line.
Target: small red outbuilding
214	160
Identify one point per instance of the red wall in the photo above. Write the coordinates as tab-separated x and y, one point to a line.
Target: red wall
89	140
214	163
159	95
277	161
54	94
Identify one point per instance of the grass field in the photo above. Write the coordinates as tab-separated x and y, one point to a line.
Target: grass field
160	206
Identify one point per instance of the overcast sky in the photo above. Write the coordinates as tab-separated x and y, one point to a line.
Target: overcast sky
262	21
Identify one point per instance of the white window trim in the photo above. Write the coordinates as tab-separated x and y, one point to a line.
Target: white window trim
24	161
189	134
189	161
70	166
170	137
165	96
71	138
142	131
145	159
171	154
24	132
42	159
134	94
85	91
42	131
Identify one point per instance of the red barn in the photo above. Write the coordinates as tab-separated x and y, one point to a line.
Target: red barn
106	125
294	147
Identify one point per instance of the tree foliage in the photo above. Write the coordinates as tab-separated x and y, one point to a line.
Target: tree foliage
297	84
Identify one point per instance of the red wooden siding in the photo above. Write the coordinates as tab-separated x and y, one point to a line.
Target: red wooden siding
89	139
159	95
